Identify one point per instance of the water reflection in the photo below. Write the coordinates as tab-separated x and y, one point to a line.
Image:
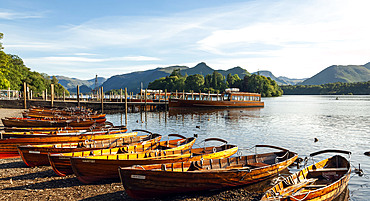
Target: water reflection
290	121
228	113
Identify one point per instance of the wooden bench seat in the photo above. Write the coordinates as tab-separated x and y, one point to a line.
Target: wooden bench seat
257	165
316	186
329	170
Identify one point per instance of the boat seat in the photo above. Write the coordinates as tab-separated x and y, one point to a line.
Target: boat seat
328	173
316	186
329	170
257	165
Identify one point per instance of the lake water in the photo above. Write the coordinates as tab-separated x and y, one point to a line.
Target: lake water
338	122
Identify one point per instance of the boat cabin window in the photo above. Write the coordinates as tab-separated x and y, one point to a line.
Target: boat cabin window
227	97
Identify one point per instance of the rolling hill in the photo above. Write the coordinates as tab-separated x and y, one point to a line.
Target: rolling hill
71	83
339	73
133	81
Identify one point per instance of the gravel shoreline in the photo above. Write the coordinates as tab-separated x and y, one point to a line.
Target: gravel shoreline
20	182
10	113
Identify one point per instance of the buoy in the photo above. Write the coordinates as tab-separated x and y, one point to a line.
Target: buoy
316	140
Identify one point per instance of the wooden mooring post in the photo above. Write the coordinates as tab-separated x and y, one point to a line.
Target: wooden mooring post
146	97
52	94
25	94
78	96
125	106
102	99
120	95
165	100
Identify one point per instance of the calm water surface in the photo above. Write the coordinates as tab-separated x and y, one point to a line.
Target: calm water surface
338	122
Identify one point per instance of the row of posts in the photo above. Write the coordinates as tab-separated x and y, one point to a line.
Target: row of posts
28	95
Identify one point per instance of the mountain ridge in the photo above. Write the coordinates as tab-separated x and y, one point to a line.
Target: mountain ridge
340	73
140	79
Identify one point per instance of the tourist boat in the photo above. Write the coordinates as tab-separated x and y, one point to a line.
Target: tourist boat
37	155
62	166
324	180
8	147
231	98
147	181
35	122
97	168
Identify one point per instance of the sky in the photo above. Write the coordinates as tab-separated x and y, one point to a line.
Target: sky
84	38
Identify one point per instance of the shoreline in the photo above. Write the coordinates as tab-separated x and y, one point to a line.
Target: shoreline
5	112
20	182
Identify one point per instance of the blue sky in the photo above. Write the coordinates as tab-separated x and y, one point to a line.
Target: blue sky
84	38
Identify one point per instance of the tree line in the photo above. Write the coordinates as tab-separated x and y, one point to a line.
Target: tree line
217	83
13	73
338	88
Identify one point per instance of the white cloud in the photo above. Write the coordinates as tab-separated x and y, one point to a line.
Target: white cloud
10	15
290	38
70	59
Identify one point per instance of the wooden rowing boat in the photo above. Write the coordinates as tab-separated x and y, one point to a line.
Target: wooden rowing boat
147	181
62	116
8	147
66	110
105	125
97	168
62	166
35	122
97	131
37	155
324	180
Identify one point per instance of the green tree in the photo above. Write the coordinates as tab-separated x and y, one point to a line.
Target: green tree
171	83
260	84
194	82
1	44
233	81
218	81
13	73
176	72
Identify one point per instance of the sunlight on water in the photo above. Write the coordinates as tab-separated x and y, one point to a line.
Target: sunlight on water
338	122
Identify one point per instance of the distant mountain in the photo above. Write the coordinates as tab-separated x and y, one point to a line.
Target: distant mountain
272	76
346	74
132	81
291	81
200	68
71	83
83	89
279	80
135	80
